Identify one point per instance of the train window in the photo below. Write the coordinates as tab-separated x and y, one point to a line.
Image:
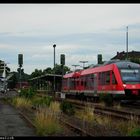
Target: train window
72	82
100	78
82	83
113	78
130	75
104	78
107	77
87	81
91	79
77	83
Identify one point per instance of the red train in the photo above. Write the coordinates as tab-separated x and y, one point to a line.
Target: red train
114	77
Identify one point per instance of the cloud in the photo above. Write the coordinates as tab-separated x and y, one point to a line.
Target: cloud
80	31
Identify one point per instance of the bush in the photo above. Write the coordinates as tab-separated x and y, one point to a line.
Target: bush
67	108
107	99
27	93
46	101
46	124
135	132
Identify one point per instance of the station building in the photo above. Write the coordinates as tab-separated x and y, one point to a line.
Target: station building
133	55
46	82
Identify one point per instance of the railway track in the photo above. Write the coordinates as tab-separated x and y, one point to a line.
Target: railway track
72	123
125	115
78	127
74	127
108	111
64	121
133	104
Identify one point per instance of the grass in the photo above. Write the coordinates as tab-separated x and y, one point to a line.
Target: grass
135	132
21	102
46	123
55	107
47	119
86	114
126	128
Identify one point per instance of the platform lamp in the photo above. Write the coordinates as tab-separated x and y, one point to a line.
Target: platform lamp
54	69
83	63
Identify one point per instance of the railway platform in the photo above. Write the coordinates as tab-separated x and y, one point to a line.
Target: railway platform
11	122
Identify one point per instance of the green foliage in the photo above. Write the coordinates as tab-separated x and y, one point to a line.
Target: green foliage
58	70
36	73
135	132
106	98
13	80
67	108
46	101
27	93
47	71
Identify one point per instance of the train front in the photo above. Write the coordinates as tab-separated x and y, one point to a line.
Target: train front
130	75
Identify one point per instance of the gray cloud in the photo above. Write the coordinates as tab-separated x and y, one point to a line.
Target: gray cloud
80	31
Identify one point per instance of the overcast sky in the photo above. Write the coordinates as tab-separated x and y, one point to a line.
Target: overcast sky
80	31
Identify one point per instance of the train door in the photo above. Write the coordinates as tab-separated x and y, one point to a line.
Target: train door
95	84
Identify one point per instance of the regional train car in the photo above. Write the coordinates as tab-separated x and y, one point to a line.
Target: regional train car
114	77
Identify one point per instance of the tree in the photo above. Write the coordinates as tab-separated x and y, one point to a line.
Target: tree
58	69
36	73
48	71
13	80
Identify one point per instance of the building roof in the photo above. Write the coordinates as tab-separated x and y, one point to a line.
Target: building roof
122	55
46	76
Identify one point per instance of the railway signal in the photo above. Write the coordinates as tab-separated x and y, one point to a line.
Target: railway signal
20	62
62	59
100	59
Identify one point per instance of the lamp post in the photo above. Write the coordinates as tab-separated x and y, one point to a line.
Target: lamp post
127	43
54	68
75	66
83	63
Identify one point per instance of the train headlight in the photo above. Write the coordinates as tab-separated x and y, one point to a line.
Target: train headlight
124	85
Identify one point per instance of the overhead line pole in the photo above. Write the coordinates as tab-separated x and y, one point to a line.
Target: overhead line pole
54	67
127	43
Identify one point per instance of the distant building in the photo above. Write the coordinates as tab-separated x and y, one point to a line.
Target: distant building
7	69
133	55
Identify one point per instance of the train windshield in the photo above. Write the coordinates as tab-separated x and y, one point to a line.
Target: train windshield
130	76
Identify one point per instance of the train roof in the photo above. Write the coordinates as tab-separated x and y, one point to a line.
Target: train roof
73	74
104	67
126	64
